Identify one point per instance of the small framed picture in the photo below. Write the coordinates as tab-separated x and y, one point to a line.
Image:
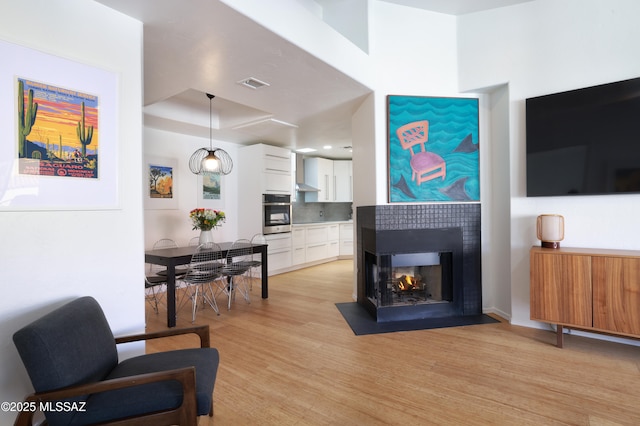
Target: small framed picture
210	191
161	175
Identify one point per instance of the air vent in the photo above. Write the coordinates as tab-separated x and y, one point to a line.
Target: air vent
253	83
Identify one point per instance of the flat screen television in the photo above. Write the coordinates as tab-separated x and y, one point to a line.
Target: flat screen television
585	141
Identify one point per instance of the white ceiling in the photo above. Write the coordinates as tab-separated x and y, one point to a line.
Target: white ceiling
197	46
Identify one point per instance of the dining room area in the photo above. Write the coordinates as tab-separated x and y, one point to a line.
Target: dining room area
206	271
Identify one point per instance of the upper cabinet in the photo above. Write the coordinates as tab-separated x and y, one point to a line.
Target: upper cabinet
342	181
318	172
332	178
274	166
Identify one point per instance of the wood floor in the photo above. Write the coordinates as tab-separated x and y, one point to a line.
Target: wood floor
293	360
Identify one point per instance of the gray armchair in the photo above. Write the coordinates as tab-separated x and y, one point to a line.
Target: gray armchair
70	355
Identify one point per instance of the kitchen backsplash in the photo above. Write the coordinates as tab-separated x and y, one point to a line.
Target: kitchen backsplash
320	212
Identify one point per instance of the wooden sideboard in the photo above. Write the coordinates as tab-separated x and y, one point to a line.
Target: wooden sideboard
596	290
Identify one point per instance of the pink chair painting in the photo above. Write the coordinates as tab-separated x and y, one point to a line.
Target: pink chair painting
424	165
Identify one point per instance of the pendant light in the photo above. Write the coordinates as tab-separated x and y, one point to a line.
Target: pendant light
210	160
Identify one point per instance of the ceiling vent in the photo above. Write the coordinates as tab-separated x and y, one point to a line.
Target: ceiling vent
253	83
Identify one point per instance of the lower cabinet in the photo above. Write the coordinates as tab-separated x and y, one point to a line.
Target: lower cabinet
314	243
279	251
346	239
594	290
315	252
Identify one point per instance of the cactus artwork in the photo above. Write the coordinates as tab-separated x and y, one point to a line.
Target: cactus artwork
85	133
64	114
26	118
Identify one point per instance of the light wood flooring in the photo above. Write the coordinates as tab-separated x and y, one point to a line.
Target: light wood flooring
293	360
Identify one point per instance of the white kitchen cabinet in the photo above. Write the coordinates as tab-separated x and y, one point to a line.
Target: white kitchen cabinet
261	169
318	172
278	251
333	248
320	242
298	255
317	251
333	232
317	234
298	243
346	239
332	177
276	170
276	183
333	240
342	181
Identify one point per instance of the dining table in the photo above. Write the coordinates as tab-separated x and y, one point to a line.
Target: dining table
176	256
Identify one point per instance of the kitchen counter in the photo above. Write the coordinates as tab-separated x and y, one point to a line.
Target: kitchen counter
328	222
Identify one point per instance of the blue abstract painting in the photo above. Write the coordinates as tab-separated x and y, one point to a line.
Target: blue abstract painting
433	149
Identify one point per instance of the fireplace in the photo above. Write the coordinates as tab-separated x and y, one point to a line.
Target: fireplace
407	272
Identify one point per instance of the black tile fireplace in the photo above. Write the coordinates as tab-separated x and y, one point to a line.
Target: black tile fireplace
419	261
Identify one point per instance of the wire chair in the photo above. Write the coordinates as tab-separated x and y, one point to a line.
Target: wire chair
204	270
255	264
236	269
155	280
153	286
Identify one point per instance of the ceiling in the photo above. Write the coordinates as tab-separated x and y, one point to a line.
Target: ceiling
208	47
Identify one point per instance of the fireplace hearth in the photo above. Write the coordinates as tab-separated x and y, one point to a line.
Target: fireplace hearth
407	272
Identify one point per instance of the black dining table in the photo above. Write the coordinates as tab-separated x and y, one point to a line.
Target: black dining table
176	256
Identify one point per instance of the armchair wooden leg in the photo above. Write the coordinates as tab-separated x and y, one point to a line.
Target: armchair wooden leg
211	410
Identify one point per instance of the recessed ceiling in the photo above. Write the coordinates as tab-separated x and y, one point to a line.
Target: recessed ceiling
207	47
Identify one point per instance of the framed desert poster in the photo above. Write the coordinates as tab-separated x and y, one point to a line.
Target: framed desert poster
58	128
433	149
161	175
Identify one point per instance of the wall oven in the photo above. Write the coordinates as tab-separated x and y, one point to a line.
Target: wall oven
276	213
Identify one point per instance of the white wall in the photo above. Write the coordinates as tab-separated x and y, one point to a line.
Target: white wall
495	184
543	47
175	223
413	52
50	257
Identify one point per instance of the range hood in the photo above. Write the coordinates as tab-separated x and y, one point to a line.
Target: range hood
300	185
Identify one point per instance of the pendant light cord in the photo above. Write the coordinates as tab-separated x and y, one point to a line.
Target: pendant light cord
210	96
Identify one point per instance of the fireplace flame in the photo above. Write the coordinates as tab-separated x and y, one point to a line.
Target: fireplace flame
407	282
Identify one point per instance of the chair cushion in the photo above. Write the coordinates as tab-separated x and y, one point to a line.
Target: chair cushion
156	396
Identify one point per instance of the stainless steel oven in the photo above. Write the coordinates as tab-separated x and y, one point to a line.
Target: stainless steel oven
276	213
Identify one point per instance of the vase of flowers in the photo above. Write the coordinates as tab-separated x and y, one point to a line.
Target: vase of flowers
205	220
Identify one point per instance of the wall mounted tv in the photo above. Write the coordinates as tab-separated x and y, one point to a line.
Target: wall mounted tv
585	141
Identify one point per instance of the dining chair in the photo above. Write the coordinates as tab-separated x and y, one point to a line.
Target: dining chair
255	264
155	279
194	242
153	286
204	270
236	269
